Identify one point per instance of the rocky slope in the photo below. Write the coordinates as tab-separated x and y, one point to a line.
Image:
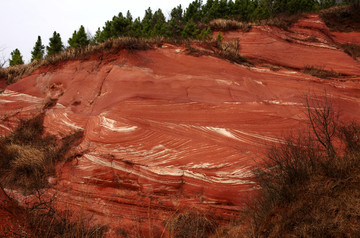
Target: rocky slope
166	131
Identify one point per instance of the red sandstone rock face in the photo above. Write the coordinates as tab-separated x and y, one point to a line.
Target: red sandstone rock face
12	218
166	131
307	43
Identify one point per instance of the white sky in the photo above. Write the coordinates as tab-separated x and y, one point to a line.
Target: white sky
21	21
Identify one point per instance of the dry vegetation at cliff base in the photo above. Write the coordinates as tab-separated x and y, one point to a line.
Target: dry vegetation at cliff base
27	157
309	185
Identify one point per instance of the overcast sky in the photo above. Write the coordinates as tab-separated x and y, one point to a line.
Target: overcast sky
21	21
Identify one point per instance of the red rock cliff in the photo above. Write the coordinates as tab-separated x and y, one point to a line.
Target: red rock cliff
166	131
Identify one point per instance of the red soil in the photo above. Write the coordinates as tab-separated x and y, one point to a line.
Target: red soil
166	131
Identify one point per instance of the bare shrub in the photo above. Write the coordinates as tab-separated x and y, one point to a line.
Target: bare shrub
3	61
191	224
324	122
47	222
37	217
309	188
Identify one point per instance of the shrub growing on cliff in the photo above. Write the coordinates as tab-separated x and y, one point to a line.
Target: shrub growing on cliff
352	49
191	225
27	157
229	25
45	221
309	186
318	71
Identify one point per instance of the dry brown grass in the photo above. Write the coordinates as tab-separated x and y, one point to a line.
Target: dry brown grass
282	21
37	217
109	46
230	50
227	50
191	224
342	18
326	204
45	221
14	73
319	72
352	49
229	25
27	157
28	168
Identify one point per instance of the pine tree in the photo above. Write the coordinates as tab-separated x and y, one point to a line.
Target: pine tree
219	38
120	25
193	11
16	58
135	30
79	38
146	23
175	23
55	44
158	24
206	34
38	50
104	34
190	30
129	16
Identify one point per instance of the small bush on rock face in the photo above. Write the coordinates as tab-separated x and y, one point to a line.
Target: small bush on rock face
27	157
230	50
320	72
352	49
28	168
229	25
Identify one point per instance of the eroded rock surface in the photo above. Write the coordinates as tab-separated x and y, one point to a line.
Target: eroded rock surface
166	131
